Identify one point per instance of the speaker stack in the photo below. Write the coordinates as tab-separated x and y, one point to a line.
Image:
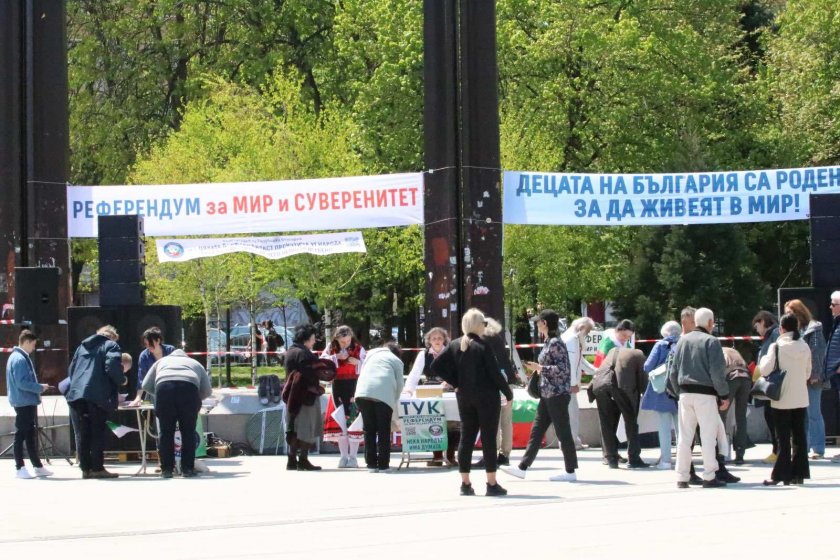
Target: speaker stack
37	295
122	261
824	224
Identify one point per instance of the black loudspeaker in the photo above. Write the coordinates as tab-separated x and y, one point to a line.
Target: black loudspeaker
36	295
817	300
825	239
120	226
122	268
121	249
121	272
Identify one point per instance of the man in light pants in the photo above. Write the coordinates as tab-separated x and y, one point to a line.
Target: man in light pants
698	376
575	337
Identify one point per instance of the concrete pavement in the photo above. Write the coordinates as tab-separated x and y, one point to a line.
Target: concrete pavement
251	507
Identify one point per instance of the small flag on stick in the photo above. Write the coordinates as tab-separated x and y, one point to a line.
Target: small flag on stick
120	430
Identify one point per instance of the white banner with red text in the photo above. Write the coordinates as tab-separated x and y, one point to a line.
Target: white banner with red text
587	199
258	207
275	247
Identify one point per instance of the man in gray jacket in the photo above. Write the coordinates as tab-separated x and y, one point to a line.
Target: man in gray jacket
698	374
179	384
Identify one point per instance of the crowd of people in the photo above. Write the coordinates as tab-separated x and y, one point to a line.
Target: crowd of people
702	381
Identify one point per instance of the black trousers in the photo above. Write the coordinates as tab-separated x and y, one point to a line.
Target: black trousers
26	431
739	397
552	411
89	419
479	412
376	416
614	403
177	402
343	391
791	461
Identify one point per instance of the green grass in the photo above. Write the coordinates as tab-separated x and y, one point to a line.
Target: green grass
240	374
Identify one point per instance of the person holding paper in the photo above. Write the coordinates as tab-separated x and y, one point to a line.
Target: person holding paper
348	355
25	396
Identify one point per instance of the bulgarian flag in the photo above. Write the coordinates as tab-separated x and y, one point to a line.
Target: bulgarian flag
524	412
120	430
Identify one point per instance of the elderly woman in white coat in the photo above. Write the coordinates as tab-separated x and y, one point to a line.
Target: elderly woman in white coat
791	410
575	338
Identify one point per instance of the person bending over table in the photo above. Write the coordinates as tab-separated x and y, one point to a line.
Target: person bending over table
179	384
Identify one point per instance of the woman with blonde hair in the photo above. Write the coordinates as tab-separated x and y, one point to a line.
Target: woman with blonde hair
469	365
435	340
575	338
812	335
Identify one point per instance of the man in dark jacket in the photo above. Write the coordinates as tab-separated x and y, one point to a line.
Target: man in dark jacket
95	375
622	399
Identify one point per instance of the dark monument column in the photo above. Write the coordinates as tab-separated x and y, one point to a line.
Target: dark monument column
34	162
463	194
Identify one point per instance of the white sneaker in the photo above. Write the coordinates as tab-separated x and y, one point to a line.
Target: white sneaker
343	463
24	474
514	471
565	477
352	463
663	466
43	471
373	470
835	459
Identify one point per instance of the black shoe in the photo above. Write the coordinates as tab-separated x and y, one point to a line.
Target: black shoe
714	483
622	460
467	490
695	480
612	465
639	465
798	481
770	482
727	477
682	485
307	466
189	473
739	460
503	460
495	490
478	464
291	465
166	474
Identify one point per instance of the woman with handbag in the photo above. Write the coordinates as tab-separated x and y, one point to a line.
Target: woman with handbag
792	356
660	402
470	366
554	373
812	335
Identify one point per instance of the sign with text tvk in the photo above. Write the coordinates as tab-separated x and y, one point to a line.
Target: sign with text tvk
588	199
423	425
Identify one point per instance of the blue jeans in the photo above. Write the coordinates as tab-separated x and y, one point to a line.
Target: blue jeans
666	420
816	424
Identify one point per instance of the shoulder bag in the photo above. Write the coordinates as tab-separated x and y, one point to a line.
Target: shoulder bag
770	386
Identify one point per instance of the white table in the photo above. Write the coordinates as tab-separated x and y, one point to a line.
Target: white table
144	420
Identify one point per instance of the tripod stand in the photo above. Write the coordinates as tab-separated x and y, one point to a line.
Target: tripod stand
46	445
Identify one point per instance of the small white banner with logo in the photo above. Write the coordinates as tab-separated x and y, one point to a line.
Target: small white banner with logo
278	247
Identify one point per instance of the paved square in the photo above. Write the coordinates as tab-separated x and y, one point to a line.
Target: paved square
251	507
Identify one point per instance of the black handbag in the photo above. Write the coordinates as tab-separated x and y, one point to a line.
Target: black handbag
534	386
770	386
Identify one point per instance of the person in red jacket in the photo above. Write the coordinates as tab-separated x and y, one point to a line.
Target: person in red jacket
347	354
